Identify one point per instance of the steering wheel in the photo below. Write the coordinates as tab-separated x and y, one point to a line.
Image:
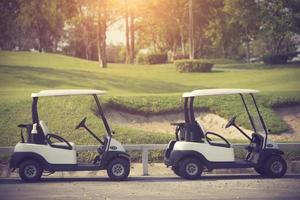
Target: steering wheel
81	123
231	122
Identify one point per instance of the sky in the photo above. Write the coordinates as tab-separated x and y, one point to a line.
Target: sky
116	33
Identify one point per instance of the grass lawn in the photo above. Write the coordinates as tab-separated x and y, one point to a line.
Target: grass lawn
136	88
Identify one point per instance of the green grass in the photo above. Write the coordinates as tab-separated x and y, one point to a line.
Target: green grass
136	88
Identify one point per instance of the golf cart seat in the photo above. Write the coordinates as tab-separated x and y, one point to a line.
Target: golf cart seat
56	144
194	132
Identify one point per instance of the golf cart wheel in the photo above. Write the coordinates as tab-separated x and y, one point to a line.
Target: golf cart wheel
190	168
176	170
30	171
275	167
260	170
118	169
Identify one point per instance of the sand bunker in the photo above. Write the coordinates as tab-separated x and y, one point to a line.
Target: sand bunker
211	122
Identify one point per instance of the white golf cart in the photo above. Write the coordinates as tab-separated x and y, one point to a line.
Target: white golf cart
43	151
194	149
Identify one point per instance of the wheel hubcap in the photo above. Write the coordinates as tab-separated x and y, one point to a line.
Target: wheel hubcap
191	169
118	169
276	167
30	171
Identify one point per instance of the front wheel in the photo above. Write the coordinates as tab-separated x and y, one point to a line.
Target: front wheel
118	169
275	167
30	171
191	168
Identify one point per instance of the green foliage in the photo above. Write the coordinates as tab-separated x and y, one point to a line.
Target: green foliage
152	58
193	66
275	59
141	58
157	58
180	56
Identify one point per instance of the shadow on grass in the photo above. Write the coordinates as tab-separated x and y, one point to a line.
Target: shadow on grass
54	78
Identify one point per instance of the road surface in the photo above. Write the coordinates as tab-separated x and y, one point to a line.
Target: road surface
209	187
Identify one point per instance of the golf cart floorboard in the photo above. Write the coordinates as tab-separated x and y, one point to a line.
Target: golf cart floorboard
87	166
235	164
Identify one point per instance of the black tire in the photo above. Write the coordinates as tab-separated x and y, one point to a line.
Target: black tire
260	170
118	169
176	170
275	167
190	168
30	171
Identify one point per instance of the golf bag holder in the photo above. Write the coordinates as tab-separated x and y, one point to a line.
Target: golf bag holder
26	128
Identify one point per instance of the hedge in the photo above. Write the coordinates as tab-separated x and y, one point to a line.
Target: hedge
275	59
193	66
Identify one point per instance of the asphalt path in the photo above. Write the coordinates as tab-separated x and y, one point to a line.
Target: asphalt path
208	187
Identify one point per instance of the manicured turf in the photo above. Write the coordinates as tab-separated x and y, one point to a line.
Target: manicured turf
137	88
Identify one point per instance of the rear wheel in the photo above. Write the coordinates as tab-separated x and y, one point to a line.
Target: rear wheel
118	169
190	168
275	167
176	170
30	171
260	170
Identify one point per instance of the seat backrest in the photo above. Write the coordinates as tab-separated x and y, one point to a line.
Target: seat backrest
194	132
44	127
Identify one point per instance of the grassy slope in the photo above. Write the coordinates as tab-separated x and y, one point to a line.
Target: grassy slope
133	87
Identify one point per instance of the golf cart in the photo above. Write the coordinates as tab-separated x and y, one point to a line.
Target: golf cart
194	149
40	151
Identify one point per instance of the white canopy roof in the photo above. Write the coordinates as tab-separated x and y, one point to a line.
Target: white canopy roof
69	92
210	92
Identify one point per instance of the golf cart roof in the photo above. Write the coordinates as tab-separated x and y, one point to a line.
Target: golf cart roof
210	92
69	92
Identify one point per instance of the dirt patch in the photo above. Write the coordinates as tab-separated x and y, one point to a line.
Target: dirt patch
212	122
291	115
161	122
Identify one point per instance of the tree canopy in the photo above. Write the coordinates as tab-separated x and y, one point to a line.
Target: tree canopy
221	28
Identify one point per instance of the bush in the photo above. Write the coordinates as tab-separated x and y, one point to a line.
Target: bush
141	58
275	59
193	66
157	58
180	56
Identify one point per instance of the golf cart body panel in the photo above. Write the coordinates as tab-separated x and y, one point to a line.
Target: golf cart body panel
194	148
210	152
50	154
37	151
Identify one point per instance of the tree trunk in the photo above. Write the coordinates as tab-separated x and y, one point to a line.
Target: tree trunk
127	59
248	51
182	41
132	38
191	30
101	36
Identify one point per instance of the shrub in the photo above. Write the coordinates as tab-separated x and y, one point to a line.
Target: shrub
275	59
193	66
141	58
180	56
157	58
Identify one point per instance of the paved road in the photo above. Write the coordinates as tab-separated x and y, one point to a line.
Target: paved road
209	187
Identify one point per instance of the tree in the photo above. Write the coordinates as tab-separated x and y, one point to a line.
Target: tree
44	20
279	23
244	15
191	30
